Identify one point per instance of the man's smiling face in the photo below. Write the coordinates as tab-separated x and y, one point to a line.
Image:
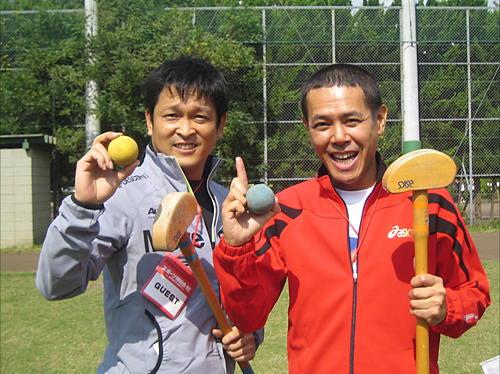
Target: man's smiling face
186	129
344	133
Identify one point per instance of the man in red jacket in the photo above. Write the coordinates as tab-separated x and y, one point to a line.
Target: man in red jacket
345	246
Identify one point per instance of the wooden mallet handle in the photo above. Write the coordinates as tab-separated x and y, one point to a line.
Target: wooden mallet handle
173	217
421	236
189	253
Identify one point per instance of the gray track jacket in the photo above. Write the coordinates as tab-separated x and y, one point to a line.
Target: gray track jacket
82	242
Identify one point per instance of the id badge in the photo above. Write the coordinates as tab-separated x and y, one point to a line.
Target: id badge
170	286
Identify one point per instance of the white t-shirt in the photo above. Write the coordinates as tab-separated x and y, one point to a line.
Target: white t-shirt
355	201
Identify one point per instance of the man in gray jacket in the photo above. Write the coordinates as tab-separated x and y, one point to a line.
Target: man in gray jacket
106	226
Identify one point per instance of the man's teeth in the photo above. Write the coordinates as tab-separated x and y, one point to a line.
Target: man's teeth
185	146
344	158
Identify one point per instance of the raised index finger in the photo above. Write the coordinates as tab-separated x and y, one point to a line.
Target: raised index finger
241	171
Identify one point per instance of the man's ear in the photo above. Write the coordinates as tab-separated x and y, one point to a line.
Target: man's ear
304	121
149	121
220	129
381	119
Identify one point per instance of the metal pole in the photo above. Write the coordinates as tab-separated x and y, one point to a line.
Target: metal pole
411	117
333	37
411	142
92	123
264	89
469	99
401	74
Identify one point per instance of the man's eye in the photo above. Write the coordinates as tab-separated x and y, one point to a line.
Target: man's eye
320	126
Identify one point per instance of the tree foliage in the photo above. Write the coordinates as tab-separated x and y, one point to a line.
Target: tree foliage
45	67
45	92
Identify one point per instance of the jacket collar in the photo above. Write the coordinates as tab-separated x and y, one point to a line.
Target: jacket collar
171	168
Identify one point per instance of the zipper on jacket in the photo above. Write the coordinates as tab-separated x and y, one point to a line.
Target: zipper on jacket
353	325
354	302
215	216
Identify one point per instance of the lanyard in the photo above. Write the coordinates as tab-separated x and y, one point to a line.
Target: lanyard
198	219
354	256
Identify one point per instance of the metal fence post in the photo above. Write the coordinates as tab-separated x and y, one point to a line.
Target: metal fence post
333	37
92	123
469	111
264	90
411	117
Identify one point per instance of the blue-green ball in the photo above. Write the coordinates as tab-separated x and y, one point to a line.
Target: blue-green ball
260	199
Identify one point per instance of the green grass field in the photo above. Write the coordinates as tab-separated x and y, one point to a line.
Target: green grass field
38	336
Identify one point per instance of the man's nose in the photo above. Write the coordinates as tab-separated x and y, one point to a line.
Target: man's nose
339	134
185	127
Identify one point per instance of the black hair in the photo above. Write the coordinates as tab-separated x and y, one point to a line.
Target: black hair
343	75
187	76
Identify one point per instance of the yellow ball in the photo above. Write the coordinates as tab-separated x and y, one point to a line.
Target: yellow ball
123	150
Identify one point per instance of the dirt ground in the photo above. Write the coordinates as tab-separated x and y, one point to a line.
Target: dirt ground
487	244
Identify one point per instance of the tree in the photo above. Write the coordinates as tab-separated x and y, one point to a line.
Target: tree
444	88
41	4
43	83
44	69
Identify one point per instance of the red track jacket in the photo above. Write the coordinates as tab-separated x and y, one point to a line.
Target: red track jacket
338	325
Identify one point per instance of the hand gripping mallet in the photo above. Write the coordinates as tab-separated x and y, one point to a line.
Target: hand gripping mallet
173	217
419	171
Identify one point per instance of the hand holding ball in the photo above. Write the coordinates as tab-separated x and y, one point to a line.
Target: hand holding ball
260	199
123	150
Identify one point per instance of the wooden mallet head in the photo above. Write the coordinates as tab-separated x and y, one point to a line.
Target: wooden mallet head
173	217
422	169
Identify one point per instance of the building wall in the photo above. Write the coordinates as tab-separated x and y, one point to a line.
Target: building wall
41	194
25	196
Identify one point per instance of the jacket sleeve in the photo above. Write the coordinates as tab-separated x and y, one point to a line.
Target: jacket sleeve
459	265
71	255
250	284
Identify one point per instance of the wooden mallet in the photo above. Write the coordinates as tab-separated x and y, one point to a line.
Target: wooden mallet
419	171
173	217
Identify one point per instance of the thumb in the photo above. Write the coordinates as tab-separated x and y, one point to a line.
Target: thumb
275	210
217	333
127	170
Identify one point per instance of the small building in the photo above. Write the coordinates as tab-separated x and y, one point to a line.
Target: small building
25	175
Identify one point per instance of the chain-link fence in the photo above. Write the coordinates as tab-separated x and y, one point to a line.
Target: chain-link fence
458	61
